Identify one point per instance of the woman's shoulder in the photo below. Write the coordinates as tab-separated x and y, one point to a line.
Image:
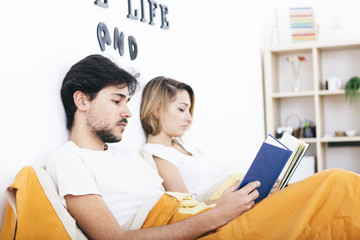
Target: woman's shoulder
188	146
155	148
164	152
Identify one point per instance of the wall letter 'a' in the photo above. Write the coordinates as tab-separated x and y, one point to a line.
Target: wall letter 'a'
103	36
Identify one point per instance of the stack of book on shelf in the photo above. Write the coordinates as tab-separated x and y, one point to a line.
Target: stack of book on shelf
302	24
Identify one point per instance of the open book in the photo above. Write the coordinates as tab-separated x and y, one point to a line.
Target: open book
298	148
276	159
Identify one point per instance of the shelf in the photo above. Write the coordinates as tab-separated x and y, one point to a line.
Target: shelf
340	139
309	140
328	109
290	48
293	94
329	93
340	45
307	93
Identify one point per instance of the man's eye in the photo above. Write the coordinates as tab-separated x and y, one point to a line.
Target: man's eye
116	101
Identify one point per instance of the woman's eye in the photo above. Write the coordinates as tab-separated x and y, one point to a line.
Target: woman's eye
181	110
116	101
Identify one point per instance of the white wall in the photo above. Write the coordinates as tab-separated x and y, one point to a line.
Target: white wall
212	45
328	14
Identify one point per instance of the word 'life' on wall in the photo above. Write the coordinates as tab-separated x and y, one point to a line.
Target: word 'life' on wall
103	34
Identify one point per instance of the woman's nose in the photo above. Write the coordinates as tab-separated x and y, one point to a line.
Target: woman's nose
188	117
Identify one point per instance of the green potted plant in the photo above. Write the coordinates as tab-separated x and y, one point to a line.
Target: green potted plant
351	91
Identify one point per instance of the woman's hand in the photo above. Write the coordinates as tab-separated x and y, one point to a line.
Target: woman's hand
275	187
234	203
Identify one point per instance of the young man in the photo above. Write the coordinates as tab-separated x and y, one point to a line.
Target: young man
103	186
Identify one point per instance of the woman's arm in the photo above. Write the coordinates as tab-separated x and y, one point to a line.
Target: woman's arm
173	181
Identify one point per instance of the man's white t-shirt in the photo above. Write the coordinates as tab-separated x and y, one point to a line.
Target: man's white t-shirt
120	176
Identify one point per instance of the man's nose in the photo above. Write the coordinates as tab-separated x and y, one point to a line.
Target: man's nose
125	113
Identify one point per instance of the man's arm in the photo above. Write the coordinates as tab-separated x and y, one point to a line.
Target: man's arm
96	220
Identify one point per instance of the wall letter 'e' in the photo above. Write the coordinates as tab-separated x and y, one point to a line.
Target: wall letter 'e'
164	12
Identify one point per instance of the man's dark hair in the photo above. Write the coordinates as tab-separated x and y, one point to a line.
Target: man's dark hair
89	76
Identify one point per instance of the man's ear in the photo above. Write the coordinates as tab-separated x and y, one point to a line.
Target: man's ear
81	101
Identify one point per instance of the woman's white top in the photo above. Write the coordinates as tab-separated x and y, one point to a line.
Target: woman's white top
197	173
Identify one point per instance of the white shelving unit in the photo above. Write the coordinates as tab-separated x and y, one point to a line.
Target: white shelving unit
328	109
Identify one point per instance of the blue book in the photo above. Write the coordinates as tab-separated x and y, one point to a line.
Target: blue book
267	166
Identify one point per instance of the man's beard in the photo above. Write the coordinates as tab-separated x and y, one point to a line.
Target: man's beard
106	135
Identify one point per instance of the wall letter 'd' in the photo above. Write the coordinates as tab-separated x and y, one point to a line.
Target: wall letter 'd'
133	49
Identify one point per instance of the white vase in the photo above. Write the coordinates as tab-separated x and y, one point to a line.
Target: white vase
296	83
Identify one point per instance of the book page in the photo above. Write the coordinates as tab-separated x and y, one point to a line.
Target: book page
290	141
273	141
299	148
294	163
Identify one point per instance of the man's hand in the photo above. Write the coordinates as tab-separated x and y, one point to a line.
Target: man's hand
234	203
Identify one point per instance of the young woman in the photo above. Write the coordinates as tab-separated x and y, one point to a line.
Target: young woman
166	113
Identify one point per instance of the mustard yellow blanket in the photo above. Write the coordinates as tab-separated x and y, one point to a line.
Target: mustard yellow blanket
34	209
324	206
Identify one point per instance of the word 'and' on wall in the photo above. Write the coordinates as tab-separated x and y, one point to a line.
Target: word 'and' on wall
103	34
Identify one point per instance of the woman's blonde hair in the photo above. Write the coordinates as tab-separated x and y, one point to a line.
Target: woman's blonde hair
158	93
